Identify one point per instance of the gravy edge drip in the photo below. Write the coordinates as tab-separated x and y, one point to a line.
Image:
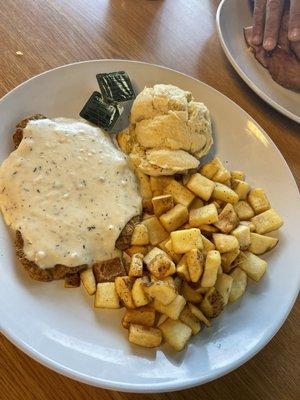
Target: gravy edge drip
69	191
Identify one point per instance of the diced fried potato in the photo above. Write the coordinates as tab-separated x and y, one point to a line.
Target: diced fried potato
140	298
161	266
180	193
144	184
217	205
72	280
136	265
140	235
137	249
239	284
175	257
228	219
162	204
241	188
123	288
225	243
185	240
174	218
205	215
223	286
161	290
108	270
198	314
191	294
228	183
228	258
260	244
197	203
147	206
88	280
144	316
249	224
243	210
156	231
254	266
224	193
212	303
106	296
195	263
239	259
258	200
267	221
208	229
207	244
190	320
178	284
152	254
212	264
126	259
201	186
240	175
242	233
158	183
211	168
144	336
182	269
162	318
173	309
185	178
176	333
222	175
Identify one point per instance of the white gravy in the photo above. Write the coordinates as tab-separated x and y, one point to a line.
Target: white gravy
69	191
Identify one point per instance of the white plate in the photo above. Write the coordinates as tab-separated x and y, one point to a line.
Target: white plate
232	16
59	328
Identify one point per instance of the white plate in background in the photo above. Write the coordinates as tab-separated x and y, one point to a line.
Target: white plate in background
59	327
232	17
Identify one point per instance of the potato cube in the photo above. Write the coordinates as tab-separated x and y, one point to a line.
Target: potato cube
260	244
126	259
224	193
243	210
254	266
201	186
152	254
158	183
258	200
198	314
176	333
144	316
108	270
162	318
249	224
228	219
173	309
182	269
140	236
123	288
197	203
72	280
88	280
242	233
225	243
174	218
241	188
155	230
204	215
137	249
239	284
144	184
140	298
161	290
136	265
190	320
147	206
239	259
267	221
161	266
240	175
212	264
191	294
144	336
106	296
223	286
211	168
180	193
185	240
208	230
222	175
171	253
207	244
195	263
228	258
212	303
162	204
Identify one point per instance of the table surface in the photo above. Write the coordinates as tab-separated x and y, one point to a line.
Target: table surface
179	34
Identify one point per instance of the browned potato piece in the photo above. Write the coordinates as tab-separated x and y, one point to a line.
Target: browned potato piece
228	258
212	303
176	333
241	188
243	210
195	263
123	288
211	168
267	221
161	319
222	175
260	244
178	284
240	175
106	296
161	266
158	183
140	298
180	193
258	200
212	264
136	265
207	244
254	266
239	284
162	204
88	280
190	320
108	270
140	236
144	184
161	290
225	243
201	186
72	280
175	257
208	230
137	249
173	309
249	224
197	203
198	314
223	286
228	219
182	269
126	259
205	215
147	206
155	230
185	240
174	218
191	294
152	254
224	193
242	233
144	336
143	315
124	239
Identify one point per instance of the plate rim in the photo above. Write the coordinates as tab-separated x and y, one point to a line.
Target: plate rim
242	74
168	385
